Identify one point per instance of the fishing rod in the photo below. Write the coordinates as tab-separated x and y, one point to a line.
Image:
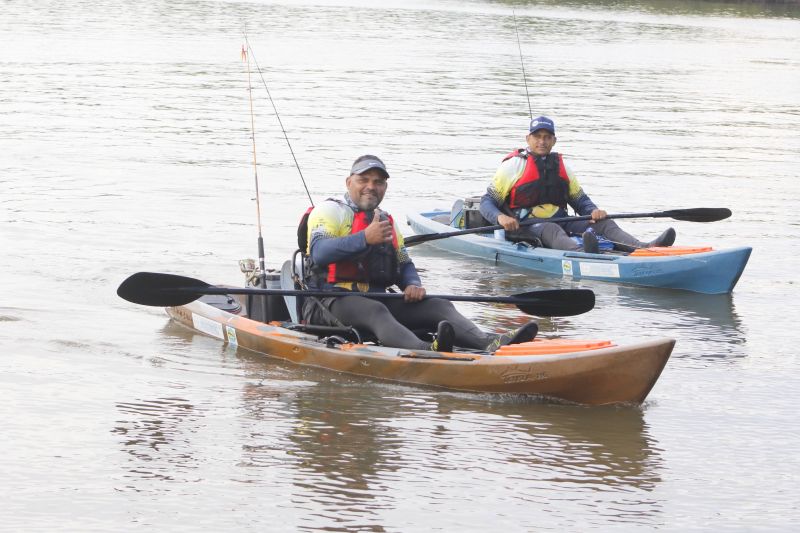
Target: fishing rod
247	51
280	122
261	256
524	77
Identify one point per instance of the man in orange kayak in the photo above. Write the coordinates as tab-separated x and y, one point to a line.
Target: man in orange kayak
354	246
536	183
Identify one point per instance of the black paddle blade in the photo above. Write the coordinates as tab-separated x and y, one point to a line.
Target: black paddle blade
699	214
556	302
160	290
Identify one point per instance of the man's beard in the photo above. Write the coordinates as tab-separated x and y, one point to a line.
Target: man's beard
368	203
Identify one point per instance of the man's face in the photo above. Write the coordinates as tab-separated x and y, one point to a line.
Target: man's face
541	142
367	189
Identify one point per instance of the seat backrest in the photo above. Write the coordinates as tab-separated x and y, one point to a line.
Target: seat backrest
266	308
289	281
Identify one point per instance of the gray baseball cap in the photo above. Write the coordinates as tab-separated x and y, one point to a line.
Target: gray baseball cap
367	162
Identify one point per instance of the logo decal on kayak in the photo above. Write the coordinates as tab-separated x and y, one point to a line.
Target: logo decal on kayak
566	267
645	271
231	335
599	270
207	326
521	376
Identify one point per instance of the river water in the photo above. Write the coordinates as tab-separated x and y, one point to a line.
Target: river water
124	146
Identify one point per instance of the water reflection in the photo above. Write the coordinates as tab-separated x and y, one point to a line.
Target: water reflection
154	434
714	313
678	7
356	444
607	446
331	434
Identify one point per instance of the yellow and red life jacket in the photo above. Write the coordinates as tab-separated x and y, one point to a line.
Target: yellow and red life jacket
544	181
378	265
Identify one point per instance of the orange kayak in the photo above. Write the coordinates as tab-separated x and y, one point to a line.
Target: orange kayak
584	372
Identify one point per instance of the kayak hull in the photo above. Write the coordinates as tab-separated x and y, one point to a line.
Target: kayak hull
609	375
714	272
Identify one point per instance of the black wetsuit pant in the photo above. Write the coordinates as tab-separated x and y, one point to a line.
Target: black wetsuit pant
392	321
556	235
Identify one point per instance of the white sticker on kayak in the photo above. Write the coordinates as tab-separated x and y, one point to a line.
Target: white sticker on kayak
566	267
207	326
231	335
599	270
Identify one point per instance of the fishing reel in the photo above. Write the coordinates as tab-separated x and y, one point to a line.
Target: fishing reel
251	272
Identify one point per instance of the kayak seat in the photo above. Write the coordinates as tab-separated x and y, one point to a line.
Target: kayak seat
328	332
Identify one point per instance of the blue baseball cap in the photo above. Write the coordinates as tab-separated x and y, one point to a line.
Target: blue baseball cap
367	162
543	123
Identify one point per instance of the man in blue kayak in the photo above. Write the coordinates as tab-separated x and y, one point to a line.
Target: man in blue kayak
534	182
354	246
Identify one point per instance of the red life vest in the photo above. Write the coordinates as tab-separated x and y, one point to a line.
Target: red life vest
378	265
544	181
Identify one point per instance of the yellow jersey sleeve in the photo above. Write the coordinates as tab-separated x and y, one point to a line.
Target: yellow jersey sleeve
402	251
329	220
504	179
575	189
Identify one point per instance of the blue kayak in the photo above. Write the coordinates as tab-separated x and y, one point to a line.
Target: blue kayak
709	272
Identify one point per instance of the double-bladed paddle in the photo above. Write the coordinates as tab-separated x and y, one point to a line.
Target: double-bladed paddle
169	290
698	214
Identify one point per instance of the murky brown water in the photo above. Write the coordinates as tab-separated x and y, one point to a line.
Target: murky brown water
124	146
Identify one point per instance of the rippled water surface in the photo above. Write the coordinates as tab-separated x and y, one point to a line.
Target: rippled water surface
125	146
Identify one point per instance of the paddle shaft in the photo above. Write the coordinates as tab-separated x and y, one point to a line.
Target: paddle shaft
170	290
701	214
339	294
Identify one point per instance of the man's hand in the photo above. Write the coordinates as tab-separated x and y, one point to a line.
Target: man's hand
598	214
508	223
378	231
412	293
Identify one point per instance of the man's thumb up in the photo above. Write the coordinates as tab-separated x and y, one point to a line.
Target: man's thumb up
378	231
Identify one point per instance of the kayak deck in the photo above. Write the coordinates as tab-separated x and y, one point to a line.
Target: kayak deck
695	269
584	372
